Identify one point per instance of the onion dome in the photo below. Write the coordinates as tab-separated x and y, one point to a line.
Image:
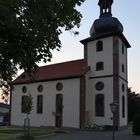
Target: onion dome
106	23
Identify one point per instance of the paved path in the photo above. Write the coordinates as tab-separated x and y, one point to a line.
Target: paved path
90	135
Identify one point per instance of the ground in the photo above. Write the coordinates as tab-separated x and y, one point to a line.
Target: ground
10	133
15	133
92	135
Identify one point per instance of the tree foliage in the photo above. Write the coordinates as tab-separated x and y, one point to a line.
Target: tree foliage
27	104
136	124
29	31
133	104
5	91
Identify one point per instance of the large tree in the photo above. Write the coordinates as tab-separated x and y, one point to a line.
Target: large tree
29	31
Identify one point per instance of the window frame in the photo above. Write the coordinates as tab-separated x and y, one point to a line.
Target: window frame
123	71
59	86
99	46
99	86
40	88
100	105
123	87
23	101
39	104
24	89
123	106
123	49
100	66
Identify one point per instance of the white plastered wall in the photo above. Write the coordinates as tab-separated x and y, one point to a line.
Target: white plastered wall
70	91
105	56
107	92
123	80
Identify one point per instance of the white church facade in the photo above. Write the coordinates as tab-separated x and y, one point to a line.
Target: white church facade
78	93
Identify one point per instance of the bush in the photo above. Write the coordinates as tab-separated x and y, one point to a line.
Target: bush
136	124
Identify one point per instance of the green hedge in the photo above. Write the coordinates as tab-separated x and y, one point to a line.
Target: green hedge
136	124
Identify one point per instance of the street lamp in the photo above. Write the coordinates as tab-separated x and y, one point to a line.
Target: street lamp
114	108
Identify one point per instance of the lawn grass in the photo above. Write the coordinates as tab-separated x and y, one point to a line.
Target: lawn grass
12	133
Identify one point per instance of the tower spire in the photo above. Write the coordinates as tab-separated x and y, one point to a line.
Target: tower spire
105	6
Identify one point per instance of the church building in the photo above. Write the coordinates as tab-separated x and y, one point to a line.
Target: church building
79	93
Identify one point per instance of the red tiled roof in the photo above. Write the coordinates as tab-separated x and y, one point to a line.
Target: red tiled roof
63	70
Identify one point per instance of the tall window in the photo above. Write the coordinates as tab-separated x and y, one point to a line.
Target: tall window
122	49
23	103
123	106
123	68
99	66
99	105
123	88
99	46
40	104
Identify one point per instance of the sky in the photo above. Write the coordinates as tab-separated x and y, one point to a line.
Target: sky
127	11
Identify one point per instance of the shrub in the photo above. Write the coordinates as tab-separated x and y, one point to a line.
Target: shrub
136	124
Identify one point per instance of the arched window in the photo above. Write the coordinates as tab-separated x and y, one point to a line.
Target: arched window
23	103
99	66
40	104
123	68
99	105
99	46
122	49
123	106
123	88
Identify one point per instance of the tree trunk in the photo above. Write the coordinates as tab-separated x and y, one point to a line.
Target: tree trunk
27	126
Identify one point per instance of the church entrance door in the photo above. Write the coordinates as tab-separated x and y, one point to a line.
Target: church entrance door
59	110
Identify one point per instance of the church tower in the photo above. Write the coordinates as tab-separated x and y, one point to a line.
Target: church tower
105	52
